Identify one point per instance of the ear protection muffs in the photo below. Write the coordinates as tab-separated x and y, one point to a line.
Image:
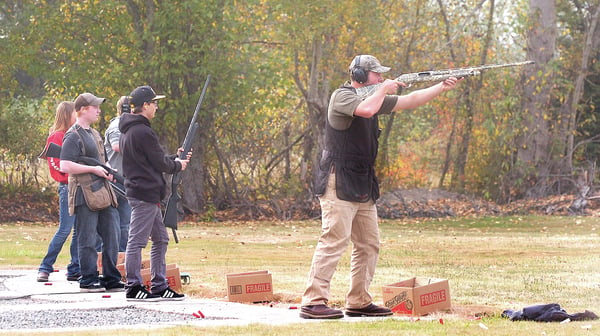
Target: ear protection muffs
126	107
358	73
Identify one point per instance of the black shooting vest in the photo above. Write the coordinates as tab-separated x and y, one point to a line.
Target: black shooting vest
351	153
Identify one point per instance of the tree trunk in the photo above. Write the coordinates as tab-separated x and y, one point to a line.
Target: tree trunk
195	180
532	168
569	109
316	95
383	159
470	100
458	177
452	135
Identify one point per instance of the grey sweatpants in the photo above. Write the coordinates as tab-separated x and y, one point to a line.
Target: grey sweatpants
146	224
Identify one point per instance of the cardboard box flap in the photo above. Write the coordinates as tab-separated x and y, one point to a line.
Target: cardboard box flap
247	273
416	282
405	283
419	282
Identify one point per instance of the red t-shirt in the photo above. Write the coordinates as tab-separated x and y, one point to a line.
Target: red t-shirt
54	163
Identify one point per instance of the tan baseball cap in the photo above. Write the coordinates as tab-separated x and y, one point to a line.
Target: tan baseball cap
369	63
87	99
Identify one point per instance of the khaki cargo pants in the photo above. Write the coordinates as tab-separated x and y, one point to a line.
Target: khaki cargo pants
342	222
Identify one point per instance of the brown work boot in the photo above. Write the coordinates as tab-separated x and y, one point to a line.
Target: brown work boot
370	310
320	312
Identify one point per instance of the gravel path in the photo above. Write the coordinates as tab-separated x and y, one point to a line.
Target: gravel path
18	318
58	305
69	318
29	306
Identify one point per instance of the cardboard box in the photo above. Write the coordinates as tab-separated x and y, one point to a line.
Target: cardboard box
173	277
121	268
145	268
145	263
120	260
417	296
250	287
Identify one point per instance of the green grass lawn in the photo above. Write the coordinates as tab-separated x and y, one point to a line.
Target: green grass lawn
492	264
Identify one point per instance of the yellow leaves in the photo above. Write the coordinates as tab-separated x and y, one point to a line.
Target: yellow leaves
405	171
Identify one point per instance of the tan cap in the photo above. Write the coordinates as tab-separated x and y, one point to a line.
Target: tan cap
368	63
87	99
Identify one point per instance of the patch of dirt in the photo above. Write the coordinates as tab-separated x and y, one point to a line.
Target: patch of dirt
431	203
28	207
474	311
435	203
397	204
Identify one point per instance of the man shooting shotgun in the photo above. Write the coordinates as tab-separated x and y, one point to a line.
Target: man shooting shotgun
348	188
438	76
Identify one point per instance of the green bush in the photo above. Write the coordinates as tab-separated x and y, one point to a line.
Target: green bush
24	125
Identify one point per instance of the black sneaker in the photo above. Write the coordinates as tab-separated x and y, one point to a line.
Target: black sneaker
139	293
370	310
73	277
93	288
320	312
171	295
117	287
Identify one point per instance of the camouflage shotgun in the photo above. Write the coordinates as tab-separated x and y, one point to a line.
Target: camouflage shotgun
438	76
170	214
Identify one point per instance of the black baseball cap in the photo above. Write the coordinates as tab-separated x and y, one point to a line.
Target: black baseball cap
143	94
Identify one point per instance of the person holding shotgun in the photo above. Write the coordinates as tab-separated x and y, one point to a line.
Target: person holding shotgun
91	198
348	188
144	163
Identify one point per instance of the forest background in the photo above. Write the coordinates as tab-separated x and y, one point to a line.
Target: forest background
507	135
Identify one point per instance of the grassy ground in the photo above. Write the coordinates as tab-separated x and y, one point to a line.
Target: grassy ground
492	264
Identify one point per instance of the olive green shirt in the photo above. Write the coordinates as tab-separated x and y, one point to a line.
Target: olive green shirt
344	102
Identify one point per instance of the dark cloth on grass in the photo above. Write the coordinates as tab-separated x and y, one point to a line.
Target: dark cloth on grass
551	312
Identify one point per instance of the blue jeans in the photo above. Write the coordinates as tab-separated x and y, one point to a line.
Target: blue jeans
90	224
124	210
65	224
146	221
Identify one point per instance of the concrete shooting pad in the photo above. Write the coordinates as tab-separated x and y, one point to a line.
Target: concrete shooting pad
57	305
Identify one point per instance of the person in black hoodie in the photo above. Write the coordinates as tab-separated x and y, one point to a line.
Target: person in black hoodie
144	163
